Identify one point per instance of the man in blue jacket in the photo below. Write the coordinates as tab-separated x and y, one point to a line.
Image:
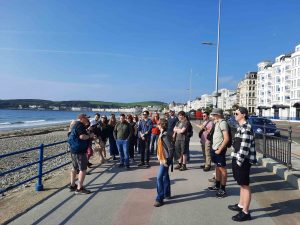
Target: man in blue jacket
144	135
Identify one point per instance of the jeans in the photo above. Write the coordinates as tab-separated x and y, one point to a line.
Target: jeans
123	151
163	185
144	149
153	143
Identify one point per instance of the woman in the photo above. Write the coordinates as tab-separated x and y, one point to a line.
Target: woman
165	151
113	149
131	141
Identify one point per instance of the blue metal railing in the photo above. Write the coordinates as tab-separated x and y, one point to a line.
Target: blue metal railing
39	176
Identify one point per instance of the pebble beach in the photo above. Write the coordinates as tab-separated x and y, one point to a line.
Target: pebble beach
17	140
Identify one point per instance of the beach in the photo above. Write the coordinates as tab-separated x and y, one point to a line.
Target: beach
11	141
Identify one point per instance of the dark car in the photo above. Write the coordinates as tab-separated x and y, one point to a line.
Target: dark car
258	124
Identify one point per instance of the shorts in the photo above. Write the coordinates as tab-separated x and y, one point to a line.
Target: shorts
241	173
219	160
79	161
181	147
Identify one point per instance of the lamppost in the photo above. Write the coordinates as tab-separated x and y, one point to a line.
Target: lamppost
216	94
190	89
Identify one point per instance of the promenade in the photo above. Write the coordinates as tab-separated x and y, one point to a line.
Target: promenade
121	197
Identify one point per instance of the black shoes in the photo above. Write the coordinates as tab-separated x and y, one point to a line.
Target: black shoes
221	193
141	164
183	168
121	165
89	165
206	169
202	166
235	208
127	167
213	188
178	166
241	216
73	188
82	191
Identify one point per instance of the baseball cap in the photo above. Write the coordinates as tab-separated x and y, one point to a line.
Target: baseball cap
82	115
217	111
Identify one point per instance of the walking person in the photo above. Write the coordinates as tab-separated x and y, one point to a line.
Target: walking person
122	134
243	157
78	140
205	128
154	134
165	149
181	140
220	139
144	133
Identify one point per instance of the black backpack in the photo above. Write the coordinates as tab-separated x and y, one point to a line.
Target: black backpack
211	133
189	132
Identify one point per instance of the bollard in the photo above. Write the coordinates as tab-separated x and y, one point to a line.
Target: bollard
39	185
264	141
289	156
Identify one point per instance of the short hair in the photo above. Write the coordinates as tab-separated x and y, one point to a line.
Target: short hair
122	115
182	113
97	114
205	112
163	123
146	111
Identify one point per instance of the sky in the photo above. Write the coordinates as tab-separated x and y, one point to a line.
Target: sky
137	50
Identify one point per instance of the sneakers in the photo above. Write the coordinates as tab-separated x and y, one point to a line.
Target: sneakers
235	207
221	193
241	216
82	191
73	188
141	164
213	188
178	166
183	168
206	169
158	204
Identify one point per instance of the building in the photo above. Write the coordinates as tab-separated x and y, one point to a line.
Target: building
295	84
246	92
226	99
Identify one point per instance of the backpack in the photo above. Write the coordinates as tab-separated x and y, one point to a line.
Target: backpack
189	132
76	144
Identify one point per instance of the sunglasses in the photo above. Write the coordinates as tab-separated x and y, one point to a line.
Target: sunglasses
236	114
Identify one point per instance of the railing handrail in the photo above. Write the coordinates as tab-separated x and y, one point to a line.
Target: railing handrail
39	185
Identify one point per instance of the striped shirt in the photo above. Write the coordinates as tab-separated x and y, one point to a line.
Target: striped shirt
244	145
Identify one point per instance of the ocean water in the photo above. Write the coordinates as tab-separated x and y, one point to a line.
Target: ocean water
21	119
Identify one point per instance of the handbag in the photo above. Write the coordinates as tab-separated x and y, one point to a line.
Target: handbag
202	130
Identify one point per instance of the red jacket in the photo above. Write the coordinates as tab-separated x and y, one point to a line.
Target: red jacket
155	129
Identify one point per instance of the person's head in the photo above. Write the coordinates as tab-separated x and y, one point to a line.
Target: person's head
83	118
135	118
205	115
104	119
166	115
162	124
122	118
181	115
241	115
172	112
156	116
112	116
145	114
217	113
129	118
97	117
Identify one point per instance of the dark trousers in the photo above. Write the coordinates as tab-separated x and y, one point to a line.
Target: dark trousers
144	147
131	148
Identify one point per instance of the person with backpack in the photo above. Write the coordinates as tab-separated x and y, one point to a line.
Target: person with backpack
165	149
243	157
181	141
78	140
220	143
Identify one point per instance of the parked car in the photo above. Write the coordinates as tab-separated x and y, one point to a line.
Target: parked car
258	123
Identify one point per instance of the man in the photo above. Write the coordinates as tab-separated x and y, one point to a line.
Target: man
181	141
220	139
205	128
144	134
172	120
154	134
79	140
122	135
243	157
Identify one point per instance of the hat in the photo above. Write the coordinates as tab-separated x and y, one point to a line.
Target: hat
217	111
171	110
244	111
82	115
93	123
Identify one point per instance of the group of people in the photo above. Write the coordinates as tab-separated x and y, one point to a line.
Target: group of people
167	138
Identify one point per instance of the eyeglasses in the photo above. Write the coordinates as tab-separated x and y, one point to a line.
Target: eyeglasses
236	114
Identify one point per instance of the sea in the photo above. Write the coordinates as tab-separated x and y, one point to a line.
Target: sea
23	119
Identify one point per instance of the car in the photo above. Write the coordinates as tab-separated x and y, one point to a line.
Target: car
258	124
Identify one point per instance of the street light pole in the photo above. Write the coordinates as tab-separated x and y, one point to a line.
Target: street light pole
190	95
218	58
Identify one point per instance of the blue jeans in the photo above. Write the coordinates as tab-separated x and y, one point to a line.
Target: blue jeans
123	151
153	143
163	185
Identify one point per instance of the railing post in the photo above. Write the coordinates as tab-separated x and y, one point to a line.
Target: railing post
289	158
264	141
39	185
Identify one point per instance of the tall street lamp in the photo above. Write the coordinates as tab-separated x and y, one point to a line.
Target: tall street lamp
216	94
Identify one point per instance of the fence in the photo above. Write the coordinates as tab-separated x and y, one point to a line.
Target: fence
277	147
39	162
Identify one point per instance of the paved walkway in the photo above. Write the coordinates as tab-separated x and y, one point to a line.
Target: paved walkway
123	197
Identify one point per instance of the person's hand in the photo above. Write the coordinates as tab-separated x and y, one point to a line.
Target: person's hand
165	165
218	151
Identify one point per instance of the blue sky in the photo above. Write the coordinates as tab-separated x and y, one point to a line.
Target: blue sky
135	50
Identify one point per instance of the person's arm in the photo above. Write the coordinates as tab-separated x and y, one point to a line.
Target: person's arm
225	141
130	132
150	125
115	132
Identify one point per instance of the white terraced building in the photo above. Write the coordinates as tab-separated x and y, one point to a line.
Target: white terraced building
227	99
278	87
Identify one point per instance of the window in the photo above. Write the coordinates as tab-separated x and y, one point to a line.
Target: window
298	83
298	94
277	88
